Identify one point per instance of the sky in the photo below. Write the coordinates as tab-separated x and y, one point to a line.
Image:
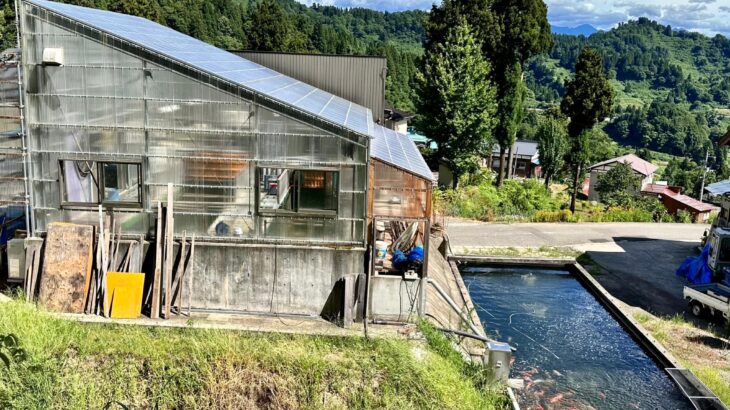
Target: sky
706	16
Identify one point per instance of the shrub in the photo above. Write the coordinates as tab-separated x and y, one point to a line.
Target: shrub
554	216
484	202
684	217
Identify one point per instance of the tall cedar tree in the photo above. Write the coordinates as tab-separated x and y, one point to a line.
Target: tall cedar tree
523	32
588	99
510	31
457	101
552	143
270	29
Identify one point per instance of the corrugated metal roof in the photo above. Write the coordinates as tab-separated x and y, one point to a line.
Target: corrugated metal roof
387	145
692	203
637	164
397	149
654	189
219	63
685	200
360	79
521	148
719	188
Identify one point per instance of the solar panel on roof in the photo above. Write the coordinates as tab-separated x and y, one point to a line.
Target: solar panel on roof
387	145
397	149
217	62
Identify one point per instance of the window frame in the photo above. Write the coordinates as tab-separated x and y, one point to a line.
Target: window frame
304	212
99	165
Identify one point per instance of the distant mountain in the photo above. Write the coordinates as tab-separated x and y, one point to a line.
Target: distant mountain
582	30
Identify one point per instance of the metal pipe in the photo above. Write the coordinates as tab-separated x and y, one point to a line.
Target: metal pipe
511	394
23	135
425	265
453	305
465	334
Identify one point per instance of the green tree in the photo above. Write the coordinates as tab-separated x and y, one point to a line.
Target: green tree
510	32
523	31
149	9
270	29
618	185
510	109
456	100
588	99
552	143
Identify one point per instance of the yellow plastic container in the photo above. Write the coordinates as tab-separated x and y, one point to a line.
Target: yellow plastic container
124	294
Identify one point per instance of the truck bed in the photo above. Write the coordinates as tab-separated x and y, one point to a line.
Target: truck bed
714	296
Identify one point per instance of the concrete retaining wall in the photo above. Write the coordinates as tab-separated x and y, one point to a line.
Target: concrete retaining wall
394	299
268	279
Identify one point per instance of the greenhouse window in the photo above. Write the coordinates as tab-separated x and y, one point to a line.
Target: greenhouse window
284	190
86	182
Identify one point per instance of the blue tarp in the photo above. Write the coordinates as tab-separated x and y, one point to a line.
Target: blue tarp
695	268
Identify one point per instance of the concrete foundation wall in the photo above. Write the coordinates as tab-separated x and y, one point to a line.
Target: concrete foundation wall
392	298
268	279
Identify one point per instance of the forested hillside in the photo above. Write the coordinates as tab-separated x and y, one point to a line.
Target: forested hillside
673	87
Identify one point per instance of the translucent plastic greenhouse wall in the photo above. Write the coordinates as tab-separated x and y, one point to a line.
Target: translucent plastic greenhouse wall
12	176
106	106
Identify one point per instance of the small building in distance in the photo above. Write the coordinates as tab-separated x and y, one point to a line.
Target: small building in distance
395	119
642	168
526	163
674	201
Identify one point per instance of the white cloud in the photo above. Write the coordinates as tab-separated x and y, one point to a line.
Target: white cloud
707	16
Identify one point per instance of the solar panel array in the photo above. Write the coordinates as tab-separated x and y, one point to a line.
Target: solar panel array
388	145
220	63
397	149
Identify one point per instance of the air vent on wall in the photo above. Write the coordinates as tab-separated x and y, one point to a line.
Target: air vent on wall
52	56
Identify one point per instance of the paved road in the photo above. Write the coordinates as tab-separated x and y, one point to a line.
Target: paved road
469	233
640	259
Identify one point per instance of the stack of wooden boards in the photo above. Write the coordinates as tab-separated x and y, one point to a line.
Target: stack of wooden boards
93	270
172	269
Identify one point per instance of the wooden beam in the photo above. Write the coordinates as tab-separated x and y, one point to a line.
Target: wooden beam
155	304
169	235
190	277
179	272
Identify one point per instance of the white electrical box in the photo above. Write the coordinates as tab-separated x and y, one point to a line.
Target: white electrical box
16	260
53	56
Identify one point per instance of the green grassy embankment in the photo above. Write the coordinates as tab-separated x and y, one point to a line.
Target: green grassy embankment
72	365
704	352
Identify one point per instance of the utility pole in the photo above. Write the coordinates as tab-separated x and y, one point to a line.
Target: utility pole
704	174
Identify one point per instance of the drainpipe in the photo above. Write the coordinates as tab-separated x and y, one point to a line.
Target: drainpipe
23	135
454	306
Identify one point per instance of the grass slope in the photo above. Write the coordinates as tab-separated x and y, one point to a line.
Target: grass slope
705	353
72	365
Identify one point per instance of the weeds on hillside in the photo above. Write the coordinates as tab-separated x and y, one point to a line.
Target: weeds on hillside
705	352
80	366
529	201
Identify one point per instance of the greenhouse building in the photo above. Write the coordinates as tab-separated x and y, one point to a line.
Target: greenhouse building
274	177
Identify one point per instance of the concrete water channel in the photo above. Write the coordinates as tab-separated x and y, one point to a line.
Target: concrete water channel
574	347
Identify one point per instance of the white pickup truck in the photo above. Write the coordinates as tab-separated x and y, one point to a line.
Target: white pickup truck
713	298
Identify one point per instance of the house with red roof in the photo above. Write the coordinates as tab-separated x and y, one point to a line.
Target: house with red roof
645	170
674	201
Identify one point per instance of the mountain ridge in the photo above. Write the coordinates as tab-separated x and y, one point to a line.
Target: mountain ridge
579	30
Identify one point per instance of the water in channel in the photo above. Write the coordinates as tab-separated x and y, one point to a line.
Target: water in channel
571	353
